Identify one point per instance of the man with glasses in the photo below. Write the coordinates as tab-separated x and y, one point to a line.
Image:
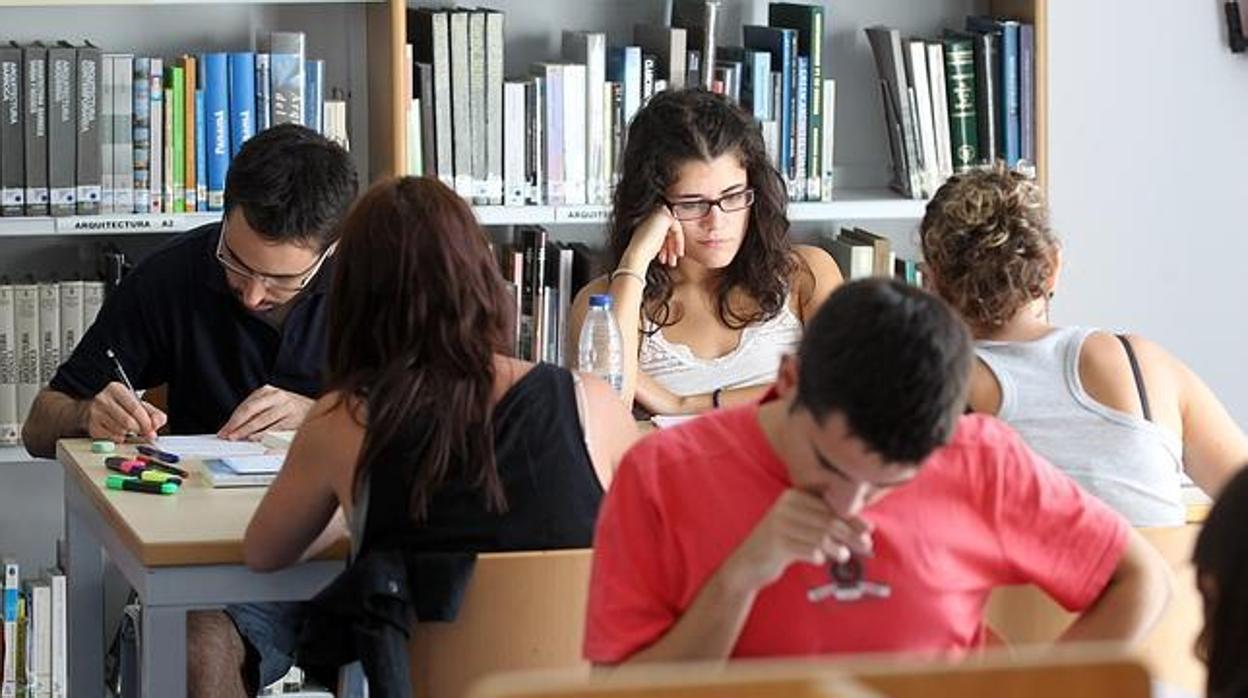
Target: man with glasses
230	316
853	510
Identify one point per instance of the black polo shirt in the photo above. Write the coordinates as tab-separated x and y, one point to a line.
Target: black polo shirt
174	320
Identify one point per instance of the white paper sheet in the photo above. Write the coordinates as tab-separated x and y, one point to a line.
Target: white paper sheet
255	465
664	421
208	446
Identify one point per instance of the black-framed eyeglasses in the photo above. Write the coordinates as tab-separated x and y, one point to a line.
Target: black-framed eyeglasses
289	283
693	210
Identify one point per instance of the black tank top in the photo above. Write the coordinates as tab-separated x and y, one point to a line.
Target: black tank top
551	486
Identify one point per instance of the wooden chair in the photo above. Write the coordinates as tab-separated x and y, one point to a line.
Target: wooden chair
1087	672
521	610
1025	615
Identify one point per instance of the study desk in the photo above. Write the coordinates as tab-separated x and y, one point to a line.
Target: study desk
180	552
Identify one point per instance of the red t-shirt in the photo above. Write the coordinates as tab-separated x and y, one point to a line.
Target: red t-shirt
984	511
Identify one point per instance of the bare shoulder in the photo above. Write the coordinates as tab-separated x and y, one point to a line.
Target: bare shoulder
1105	371
816	277
599	285
334	427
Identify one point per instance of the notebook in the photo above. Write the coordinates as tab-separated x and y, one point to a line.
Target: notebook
243	471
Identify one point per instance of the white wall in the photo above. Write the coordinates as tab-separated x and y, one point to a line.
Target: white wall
1149	178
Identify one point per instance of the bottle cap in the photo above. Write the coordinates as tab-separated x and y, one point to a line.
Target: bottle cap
600	300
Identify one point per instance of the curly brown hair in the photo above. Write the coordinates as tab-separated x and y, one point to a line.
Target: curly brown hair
677	126
987	242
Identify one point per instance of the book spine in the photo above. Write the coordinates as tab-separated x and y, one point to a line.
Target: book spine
190	172
415	156
26	331
264	92
960	85
986	98
444	103
175	105
167	188
92	301
156	117
826	179
142	131
815	121
1010	124
39	652
494	120
461	103
71	316
123	133
535	138
595	118
800	129
62	130
12	138
242	92
8	685
201	153
287	81
1027	91
35	72
60	636
314	95
88	170
648	63
574	145
940	108
9	427
553	137
49	331
108	90
476	106
610	108
916	73
217	115
515	144
428	128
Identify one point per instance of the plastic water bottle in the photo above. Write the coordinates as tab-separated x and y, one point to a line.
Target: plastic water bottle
601	348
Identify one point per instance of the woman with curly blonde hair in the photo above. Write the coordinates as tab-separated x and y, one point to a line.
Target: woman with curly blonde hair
1116	412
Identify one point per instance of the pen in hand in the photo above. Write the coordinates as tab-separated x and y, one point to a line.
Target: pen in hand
121	373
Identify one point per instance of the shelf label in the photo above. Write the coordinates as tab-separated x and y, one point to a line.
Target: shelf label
127	223
582	214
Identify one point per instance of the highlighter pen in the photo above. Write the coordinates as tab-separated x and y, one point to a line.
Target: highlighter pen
124	465
159	476
158	454
151	462
120	482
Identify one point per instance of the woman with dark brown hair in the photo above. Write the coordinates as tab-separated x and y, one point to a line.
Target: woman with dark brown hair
1118	413
1221	559
429	430
708	291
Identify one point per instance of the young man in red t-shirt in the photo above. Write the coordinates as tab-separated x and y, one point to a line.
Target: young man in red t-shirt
766	530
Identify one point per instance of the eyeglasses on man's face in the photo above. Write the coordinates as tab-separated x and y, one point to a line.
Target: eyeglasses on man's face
701	208
282	283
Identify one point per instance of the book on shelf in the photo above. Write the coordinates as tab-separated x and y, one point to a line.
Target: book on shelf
10	428
84	131
12	137
287	80
11	596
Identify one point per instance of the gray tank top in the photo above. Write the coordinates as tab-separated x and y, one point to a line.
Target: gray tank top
1131	464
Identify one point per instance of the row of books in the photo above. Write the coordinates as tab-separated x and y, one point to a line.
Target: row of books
556	137
36	634
861	253
83	131
959	102
545	277
40	324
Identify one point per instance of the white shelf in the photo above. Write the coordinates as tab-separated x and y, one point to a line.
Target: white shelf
16	454
105	224
849	204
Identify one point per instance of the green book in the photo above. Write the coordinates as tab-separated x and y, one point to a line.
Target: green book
176	108
960	80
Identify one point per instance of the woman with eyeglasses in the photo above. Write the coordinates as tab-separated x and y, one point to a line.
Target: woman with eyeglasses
708	291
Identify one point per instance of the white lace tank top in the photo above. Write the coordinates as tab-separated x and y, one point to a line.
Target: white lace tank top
754	361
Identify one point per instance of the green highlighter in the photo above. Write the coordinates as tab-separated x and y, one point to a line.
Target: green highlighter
130	484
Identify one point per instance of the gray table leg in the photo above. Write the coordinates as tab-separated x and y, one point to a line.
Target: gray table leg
163	651
85	586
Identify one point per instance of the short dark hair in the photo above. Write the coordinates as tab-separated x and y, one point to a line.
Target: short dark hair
293	184
1221	558
895	360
